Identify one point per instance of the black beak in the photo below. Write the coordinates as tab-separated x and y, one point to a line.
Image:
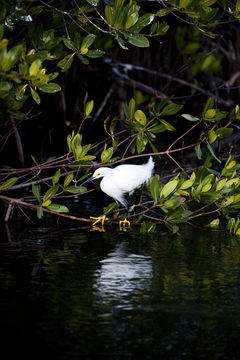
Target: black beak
86	181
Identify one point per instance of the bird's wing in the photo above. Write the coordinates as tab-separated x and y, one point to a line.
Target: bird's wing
130	177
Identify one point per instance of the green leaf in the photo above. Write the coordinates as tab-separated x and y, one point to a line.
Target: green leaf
147	228
206	188
227	201
56	177
1	31
76	189
212	136
231	164
35	96
154	188
188	183
221	184
193	14
121	42
35	67
190	117
65	63
93	2
68	179
162	28
143	21
171	109
141	142
198	151
8	183
86	158
89	107
58	208
106	154
169	188
110	14
83	51
140	117
168	126
95	53
210	113
183	3
131	20
88	40
20	92
34	160
15	53
212	152
6	63
3	43
132	107
179	215
224	132
164	12
77	140
169	203
50	192
233	182
175	229
209	105
138	40
50	88
39	212
68	43
238	6
156	129
36	193
5	86
85	149
214	224
46	203
83	59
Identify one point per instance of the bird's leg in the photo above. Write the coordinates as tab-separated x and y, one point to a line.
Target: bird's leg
99	218
103	217
125	224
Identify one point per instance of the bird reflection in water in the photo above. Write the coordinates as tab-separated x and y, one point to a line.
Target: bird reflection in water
123	275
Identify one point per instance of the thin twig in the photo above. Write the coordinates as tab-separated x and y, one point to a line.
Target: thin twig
18	141
100	109
9	210
131	67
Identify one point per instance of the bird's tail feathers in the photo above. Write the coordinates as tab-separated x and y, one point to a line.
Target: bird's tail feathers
151	165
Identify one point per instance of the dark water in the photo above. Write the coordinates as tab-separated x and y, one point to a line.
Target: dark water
72	293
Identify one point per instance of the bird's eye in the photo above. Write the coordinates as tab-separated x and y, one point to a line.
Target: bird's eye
97	175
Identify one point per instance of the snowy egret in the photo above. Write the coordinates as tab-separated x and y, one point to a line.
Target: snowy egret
121	181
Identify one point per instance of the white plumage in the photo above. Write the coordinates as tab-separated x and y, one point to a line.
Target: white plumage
123	179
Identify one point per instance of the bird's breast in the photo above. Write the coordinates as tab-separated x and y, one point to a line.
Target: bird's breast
109	187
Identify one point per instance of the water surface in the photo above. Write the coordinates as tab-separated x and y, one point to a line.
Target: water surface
71	293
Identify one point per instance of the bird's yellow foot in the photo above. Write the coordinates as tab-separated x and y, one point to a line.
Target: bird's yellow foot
124	225
100	218
97	228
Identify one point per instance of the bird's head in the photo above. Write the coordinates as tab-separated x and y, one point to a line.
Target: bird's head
98	173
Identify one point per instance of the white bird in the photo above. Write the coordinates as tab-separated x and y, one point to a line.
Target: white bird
122	180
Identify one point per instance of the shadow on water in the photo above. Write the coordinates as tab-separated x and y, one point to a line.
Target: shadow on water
72	293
